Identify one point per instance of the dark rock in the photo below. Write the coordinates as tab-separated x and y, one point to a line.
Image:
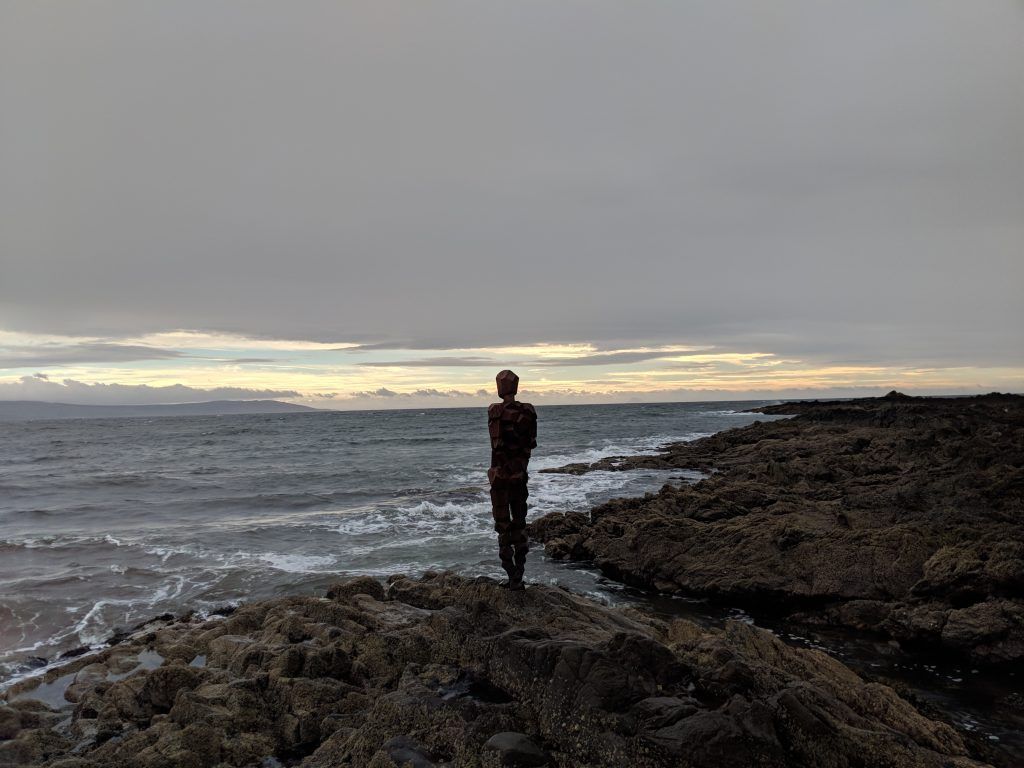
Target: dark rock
894	395
363	585
899	515
660	711
515	749
1014	701
10	722
79	651
558	525
406	751
430	674
162	685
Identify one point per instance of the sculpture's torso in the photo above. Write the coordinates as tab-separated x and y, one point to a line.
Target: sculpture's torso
513	430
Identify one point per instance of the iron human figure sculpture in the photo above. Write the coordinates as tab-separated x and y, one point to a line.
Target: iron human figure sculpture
513	429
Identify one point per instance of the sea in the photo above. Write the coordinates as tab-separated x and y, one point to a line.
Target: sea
105	523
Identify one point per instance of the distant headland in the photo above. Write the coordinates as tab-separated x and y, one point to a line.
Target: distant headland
28	410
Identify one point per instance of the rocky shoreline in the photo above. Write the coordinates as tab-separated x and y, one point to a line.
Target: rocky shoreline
899	515
450	671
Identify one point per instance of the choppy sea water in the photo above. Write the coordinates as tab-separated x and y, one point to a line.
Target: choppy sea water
107	522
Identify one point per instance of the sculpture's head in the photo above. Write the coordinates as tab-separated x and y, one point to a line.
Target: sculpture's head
508	384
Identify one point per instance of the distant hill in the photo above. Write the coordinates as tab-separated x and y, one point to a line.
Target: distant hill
27	410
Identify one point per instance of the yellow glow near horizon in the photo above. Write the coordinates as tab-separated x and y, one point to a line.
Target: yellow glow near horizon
343	372
230	341
339	385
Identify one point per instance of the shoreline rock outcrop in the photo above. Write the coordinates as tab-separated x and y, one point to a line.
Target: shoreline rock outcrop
450	671
899	515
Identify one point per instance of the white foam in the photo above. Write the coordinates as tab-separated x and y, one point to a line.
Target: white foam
430	522
639	446
292	563
557	492
425	518
94	627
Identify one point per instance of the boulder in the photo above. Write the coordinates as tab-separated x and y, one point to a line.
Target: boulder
515	749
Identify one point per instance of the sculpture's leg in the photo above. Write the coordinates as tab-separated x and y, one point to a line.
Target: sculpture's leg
518	494
503	525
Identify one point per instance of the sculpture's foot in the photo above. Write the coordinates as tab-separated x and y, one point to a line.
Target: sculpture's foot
516	585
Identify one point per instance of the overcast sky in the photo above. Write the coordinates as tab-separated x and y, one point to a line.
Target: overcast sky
624	199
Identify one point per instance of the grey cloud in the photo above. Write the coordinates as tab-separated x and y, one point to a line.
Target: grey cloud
690	366
607	358
844	179
381	392
421	343
82	393
71	354
430	393
100	352
431	362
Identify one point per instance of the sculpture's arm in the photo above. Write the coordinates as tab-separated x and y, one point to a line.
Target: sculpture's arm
533	425
494	430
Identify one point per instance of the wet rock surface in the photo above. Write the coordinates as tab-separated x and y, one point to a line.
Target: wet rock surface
450	671
899	515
